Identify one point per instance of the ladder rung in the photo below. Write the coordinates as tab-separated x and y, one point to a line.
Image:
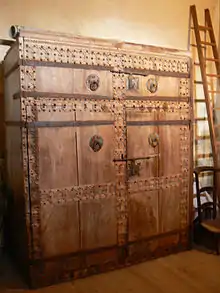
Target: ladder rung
202	137
194	45
204	156
199	82
208	43
216	109
213	75
217	125
206	174
203	28
196	63
211	59
201	119
214	92
199	100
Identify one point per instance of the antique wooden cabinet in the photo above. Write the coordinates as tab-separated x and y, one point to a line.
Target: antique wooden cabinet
99	153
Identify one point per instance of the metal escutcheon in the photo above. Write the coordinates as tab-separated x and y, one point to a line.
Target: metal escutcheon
153	139
96	143
152	85
92	82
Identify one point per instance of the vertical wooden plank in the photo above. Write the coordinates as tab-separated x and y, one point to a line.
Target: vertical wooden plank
169	149
143	215
59	213
98	217
98	223
143	204
169	169
57	152
59	229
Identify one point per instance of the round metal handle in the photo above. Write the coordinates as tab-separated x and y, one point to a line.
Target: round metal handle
93	86
152	85
96	143
153	139
92	82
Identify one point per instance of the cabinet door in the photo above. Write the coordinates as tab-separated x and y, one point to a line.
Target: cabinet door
53	169
174	167
169	172
142	175
72	177
53	177
95	151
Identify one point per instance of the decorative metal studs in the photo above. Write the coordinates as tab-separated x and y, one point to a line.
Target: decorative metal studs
153	139
92	82
165	107
133	83
96	143
152	85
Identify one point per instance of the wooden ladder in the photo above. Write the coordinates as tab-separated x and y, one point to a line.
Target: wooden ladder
203	45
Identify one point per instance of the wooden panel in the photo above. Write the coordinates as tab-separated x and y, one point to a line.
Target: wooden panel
12	106
138	146
143	215
48	79
54	80
167	86
105	85
14	160
98	223
169	210
57	157
143	206
95	167
57	152
169	164
59	229
58	170
169	148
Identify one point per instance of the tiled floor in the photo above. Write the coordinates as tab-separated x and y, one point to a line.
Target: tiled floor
187	272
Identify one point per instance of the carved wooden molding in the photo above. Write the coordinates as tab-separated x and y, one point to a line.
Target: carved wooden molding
50	51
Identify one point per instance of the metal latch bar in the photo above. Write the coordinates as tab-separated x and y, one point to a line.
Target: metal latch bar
135	159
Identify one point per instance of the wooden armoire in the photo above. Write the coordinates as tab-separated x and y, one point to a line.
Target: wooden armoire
99	153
